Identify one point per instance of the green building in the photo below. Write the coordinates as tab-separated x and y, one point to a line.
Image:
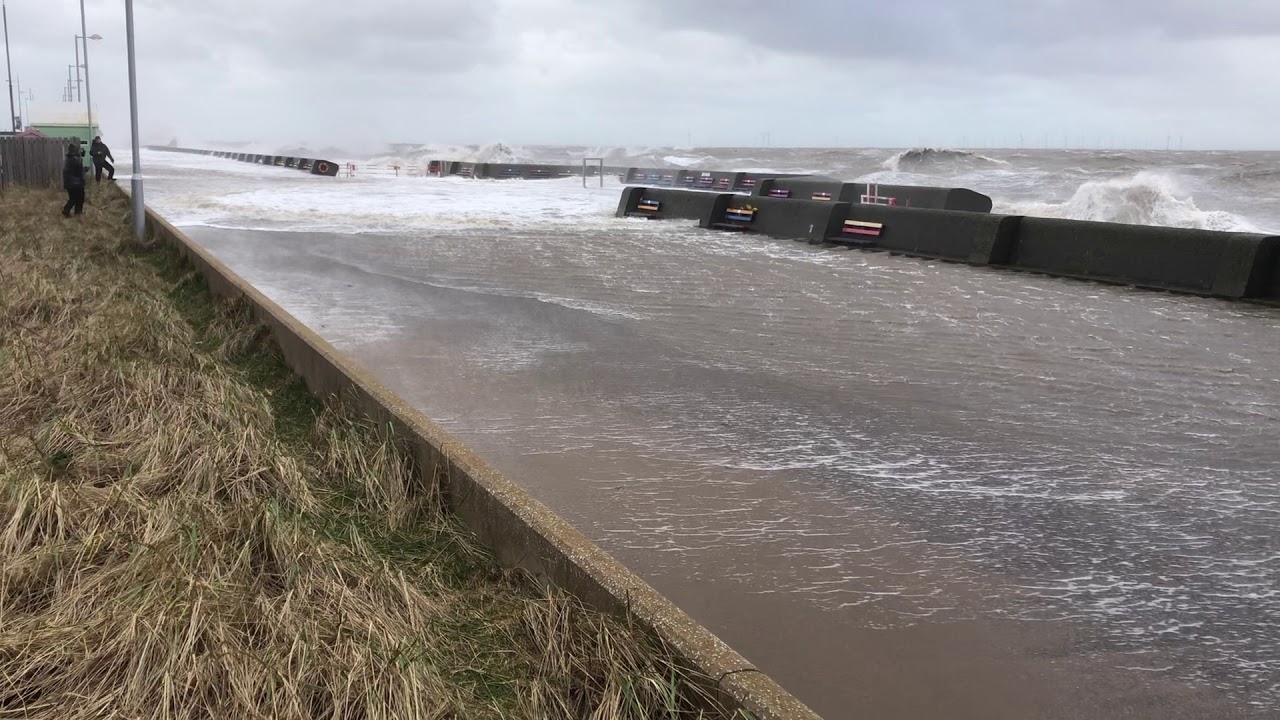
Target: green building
66	122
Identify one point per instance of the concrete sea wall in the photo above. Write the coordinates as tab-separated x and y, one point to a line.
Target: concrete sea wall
328	168
776	185
1204	262
519	530
915	196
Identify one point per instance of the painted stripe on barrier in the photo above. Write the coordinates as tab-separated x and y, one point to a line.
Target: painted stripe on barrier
860	227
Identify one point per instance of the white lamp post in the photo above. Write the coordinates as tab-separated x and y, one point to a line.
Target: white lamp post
139	209
88	94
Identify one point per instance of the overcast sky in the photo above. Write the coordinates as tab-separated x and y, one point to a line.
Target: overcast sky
663	72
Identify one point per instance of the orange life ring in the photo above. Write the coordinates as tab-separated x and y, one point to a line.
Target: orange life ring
322	167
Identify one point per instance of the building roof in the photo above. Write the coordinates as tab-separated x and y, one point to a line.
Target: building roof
60	114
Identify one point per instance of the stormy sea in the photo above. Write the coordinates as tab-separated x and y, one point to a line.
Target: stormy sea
903	488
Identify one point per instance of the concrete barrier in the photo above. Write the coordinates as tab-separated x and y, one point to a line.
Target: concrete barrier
830	189
790	219
972	237
804	188
712	180
528	171
1230	265
315	167
1272	288
1233	265
672	204
324	167
520	531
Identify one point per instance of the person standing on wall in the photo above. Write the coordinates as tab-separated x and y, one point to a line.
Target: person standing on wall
73	180
100	154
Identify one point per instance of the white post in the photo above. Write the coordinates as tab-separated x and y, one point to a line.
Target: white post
7	67
88	92
139	209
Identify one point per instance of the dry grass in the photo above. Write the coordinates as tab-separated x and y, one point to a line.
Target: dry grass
185	533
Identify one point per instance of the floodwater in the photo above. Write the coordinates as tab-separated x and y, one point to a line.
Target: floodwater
904	489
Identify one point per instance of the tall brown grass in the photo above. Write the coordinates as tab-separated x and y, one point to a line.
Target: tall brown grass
184	533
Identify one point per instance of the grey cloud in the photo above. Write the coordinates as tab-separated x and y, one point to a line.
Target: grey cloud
934	31
388	36
586	71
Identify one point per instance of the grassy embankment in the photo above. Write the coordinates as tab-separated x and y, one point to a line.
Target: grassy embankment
185	532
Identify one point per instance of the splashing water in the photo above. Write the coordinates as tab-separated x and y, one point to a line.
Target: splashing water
1146	198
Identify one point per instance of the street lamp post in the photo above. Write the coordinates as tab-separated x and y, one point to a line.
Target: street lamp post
8	68
77	68
88	92
139	209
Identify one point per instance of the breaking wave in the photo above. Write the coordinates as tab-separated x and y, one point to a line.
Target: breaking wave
924	159
634	156
420	156
1144	199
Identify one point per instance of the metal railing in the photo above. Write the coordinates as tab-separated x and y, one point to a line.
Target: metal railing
599	162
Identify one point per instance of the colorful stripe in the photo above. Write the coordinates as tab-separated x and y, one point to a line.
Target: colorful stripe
859	227
780	193
652	205
740	214
823	196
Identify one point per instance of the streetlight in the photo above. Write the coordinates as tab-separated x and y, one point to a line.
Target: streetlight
84	36
139	210
7	67
77	68
88	94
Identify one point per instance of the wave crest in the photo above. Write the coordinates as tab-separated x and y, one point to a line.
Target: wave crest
1144	199
922	159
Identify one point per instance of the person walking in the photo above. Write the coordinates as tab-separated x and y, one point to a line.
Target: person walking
73	181
100	154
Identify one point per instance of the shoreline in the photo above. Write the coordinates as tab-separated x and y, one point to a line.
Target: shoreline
186	520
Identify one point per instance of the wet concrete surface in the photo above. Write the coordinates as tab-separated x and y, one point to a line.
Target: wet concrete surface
902	488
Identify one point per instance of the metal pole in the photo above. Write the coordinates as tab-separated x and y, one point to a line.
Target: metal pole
13	118
88	93
77	68
139	211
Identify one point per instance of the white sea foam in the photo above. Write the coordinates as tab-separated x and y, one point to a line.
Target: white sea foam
1146	198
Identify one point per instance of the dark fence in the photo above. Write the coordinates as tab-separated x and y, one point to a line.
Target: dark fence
35	162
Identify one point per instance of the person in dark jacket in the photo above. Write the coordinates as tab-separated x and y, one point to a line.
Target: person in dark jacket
100	154
73	181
